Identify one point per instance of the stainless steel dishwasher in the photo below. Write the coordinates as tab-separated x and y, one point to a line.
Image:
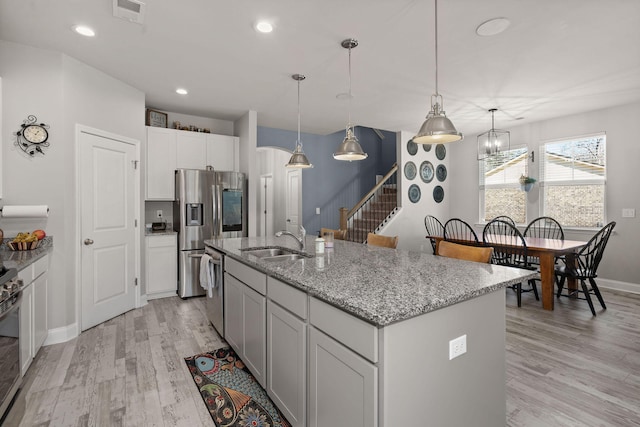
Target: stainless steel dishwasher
214	303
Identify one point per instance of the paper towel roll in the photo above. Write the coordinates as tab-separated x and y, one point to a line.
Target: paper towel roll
32	211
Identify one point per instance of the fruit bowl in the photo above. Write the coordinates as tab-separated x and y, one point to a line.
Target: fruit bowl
23	246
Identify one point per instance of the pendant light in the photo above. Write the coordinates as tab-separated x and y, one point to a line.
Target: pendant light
493	141
350	149
298	159
437	128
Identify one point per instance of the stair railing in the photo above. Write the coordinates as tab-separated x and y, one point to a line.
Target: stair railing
372	209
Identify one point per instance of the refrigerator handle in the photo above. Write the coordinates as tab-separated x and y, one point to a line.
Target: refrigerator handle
217	210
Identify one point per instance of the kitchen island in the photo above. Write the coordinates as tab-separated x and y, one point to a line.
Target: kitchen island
370	328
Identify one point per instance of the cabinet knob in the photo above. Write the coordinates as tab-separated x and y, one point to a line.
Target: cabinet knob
88	242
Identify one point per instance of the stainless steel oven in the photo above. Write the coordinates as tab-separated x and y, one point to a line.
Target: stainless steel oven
10	375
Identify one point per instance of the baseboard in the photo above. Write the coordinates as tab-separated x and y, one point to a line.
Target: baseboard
144	300
62	334
617	285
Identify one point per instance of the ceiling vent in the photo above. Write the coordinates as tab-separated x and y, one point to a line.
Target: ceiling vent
129	10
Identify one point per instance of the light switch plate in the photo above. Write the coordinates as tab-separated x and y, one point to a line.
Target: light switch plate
628	213
317	211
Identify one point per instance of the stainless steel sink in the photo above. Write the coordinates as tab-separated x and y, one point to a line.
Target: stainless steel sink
267	252
286	257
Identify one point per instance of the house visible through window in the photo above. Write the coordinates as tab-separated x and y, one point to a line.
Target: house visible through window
500	192
572	180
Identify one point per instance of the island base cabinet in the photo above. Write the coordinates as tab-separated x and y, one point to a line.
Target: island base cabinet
287	361
245	325
343	387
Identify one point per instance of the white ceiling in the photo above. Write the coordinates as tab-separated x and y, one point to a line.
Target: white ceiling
558	57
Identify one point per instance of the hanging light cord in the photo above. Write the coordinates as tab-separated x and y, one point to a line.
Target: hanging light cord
436	31
349	125
299	143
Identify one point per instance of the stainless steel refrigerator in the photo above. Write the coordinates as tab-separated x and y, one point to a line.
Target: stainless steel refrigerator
208	205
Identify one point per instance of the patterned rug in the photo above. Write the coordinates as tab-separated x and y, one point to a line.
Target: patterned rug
232	395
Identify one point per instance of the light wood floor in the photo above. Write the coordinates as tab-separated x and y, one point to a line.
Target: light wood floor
564	368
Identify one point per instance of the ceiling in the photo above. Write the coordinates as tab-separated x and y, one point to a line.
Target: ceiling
558	57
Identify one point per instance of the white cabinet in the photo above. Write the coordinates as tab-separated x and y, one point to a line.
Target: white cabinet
170	149
245	316
191	150
161	265
161	163
33	311
26	329
287	362
342	385
223	152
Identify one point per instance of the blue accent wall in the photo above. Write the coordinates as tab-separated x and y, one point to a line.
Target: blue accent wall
332	184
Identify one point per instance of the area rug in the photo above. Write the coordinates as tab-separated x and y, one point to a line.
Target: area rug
232	395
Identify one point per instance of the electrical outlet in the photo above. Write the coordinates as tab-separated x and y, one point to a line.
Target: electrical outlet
628	213
457	347
159	213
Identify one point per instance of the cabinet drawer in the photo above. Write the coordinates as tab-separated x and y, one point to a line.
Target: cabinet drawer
161	241
26	274
358	335
252	278
288	297
40	266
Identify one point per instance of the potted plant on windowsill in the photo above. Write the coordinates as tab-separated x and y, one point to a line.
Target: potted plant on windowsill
526	182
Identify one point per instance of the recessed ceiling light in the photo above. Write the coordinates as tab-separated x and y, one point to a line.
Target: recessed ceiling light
264	27
84	30
181	91
493	26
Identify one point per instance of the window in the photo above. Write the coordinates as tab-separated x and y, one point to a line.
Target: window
500	192
572	179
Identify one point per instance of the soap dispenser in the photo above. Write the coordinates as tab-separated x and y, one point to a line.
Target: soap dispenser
319	244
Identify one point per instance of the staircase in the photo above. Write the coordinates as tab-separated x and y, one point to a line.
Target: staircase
373	211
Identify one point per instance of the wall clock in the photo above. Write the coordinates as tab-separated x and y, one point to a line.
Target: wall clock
32	136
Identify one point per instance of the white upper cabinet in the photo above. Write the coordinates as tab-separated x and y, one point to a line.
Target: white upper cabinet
223	152
191	150
161	163
171	149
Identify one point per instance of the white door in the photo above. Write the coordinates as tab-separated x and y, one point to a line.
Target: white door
266	206
108	213
294	177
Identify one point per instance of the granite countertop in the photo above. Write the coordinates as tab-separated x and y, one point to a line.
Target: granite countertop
22	259
378	285
159	232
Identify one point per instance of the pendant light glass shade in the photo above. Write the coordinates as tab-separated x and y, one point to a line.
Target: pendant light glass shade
493	141
298	159
350	149
437	128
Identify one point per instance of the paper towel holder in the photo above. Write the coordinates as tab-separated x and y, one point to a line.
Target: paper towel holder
39	213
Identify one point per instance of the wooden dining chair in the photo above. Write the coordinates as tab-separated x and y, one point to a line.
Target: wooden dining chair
434	228
513	255
465	252
457	229
337	234
383	241
506	218
585	268
543	227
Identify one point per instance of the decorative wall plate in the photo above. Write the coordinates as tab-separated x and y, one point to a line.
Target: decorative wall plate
426	147
426	171
441	152
438	194
412	147
441	173
410	170
414	193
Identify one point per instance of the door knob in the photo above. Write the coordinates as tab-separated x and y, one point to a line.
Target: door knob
88	242
288	220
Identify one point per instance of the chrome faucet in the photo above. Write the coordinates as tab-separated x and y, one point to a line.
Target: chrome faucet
301	239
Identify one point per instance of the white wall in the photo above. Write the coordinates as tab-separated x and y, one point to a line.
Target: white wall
408	224
619	267
246	128
220	127
271	160
61	92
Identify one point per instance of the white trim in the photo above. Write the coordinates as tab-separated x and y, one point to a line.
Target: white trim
143	300
165	294
62	334
617	285
78	212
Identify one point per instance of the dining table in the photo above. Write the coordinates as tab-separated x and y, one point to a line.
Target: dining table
543	248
